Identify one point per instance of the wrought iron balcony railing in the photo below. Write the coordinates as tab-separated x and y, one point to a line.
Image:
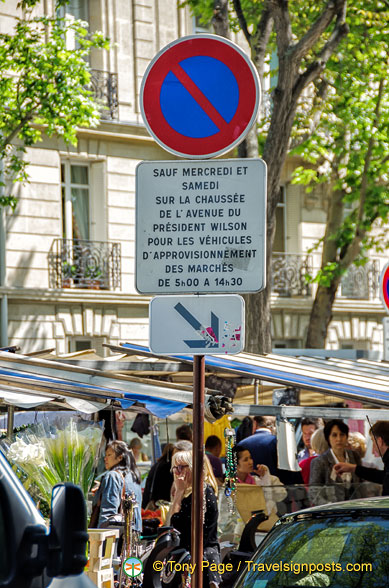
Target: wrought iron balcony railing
84	264
361	282
104	86
288	274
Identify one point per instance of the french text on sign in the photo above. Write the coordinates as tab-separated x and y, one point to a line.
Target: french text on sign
199	96
197	325
200	226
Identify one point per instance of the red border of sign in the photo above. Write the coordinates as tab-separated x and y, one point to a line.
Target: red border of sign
384	287
249	94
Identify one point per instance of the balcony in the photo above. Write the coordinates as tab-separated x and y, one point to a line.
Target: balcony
288	274
361	282
94	265
104	86
289	270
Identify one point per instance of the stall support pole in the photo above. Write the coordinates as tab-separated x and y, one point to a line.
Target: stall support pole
10	420
198	469
152	424
256	391
3	245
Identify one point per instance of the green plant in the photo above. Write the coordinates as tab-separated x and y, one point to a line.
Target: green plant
44	84
69	270
93	272
45	456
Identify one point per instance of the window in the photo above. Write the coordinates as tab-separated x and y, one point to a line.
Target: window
83	343
71	11
78	9
74	10
288	344
199	27
280	237
328	543
75	201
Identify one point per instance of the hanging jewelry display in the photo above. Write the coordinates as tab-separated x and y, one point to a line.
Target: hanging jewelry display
230	476
186	580
130	541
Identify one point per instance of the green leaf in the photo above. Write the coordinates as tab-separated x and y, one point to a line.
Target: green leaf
43	83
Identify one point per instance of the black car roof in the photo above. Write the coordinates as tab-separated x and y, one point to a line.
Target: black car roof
378	505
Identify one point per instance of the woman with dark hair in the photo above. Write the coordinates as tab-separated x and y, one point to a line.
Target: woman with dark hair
326	485
160	479
121	469
273	489
245	429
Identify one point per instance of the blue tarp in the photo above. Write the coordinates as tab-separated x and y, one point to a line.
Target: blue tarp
301	375
160	407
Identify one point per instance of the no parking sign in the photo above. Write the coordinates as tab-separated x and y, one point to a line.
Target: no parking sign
384	287
200	96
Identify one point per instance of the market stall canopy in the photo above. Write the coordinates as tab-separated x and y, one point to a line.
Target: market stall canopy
361	380
30	381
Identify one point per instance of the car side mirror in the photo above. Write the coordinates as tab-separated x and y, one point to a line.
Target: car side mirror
68	531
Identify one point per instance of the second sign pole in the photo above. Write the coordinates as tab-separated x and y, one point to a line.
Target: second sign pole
198	470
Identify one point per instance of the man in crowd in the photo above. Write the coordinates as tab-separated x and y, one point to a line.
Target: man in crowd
263	443
213	447
380	437
263	448
184	433
308	427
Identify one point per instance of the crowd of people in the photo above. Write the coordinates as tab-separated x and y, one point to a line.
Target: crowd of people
331	470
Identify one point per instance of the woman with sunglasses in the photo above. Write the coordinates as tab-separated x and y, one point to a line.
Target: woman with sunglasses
181	511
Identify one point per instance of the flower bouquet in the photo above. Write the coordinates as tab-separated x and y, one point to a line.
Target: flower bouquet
43	455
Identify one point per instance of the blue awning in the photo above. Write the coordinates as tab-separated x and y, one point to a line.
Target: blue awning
365	381
14	381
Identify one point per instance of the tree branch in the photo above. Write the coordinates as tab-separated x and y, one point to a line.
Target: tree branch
350	252
283	26
242	20
314	116
367	162
341	30
220	18
384	160
8	139
261	37
334	7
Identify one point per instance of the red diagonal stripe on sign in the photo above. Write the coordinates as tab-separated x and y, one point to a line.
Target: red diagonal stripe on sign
200	98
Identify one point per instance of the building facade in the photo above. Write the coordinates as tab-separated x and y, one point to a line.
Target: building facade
70	242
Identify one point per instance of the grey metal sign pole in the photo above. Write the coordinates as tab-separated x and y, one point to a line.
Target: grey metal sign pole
198	470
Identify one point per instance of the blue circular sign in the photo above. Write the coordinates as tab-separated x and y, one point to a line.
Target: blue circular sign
191	118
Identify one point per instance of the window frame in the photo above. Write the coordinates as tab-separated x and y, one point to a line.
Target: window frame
66	197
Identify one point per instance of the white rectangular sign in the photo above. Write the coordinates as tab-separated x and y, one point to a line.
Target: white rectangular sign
196	325
200	226
385	324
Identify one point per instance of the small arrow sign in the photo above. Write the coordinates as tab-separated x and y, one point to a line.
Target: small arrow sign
210	335
173	320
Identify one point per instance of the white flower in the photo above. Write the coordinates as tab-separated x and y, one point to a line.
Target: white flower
21	452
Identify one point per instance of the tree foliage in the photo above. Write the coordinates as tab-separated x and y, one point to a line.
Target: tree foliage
303	35
349	153
43	85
